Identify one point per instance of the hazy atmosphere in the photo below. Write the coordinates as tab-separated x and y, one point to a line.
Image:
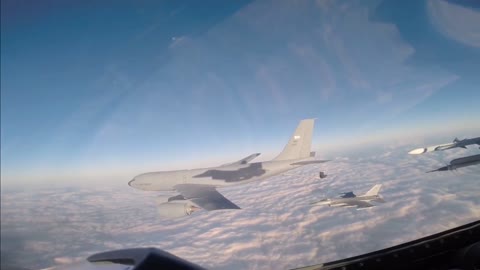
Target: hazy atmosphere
93	94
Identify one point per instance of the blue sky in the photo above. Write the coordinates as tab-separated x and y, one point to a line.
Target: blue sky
88	89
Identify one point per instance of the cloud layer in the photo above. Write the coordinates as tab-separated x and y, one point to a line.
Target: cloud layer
276	229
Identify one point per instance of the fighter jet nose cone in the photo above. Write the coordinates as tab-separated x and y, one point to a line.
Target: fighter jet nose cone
130	183
417	151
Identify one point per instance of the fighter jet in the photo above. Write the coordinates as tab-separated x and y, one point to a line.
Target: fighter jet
459	163
455	144
197	189
349	199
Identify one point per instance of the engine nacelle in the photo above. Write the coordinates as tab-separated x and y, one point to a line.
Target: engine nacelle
175	210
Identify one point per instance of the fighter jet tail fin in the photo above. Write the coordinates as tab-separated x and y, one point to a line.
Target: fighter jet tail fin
300	142
373	191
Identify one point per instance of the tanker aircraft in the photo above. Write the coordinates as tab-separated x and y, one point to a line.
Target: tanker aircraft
197	188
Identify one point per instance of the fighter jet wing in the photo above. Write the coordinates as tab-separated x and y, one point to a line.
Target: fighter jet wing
244	160
358	204
205	196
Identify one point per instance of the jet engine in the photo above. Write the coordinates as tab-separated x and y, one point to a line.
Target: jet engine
175	210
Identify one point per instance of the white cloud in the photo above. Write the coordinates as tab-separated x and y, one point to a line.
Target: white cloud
276	227
455	21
